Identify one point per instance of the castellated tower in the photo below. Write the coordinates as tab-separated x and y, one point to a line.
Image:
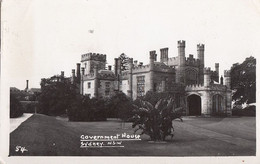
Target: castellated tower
90	60
180	73
200	51
227	79
164	55
207	78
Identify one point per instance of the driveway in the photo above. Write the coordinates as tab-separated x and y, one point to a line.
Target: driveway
15	122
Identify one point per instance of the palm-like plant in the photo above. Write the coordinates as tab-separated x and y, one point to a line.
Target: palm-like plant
156	121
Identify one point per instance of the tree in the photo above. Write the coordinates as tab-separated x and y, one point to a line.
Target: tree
243	81
124	61
56	96
15	107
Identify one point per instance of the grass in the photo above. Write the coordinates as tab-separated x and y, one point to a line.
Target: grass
50	136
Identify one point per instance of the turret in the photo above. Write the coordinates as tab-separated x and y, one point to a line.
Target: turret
164	55
181	52
207	78
221	80
180	72
27	85
227	78
200	54
217	71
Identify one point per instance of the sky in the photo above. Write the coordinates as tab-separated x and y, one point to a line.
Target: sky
41	38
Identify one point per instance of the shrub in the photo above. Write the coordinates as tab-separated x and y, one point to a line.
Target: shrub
155	120
119	106
15	107
247	111
86	109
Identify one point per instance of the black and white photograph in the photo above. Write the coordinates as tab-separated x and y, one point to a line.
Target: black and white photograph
112	81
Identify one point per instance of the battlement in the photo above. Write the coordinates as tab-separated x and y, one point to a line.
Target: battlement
125	73
181	43
192	61
164	49
93	56
164	68
144	68
226	73
193	87
207	70
200	46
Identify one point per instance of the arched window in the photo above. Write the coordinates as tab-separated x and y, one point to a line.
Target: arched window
217	105
191	76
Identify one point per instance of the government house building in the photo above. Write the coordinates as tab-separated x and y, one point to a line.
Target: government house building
205	92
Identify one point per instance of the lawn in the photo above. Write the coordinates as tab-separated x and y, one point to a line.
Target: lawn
54	136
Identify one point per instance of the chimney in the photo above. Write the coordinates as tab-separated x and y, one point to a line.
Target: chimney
78	70
62	74
135	63
27	85
109	67
73	76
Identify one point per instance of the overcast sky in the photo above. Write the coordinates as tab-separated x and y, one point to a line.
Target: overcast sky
43	37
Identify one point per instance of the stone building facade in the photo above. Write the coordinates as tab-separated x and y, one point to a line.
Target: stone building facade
205	92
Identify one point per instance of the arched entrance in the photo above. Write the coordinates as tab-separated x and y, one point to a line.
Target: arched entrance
194	105
217	105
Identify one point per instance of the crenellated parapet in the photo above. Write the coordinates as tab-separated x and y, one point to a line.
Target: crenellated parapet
200	47
191	61
88	76
173	61
207	71
194	87
181	43
93	56
226	73
217	87
163	68
144	68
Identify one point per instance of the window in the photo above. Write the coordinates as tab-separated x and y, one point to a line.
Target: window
89	84
140	85
107	88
